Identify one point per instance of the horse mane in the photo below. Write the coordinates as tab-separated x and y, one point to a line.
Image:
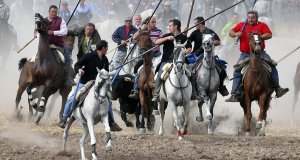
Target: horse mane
145	41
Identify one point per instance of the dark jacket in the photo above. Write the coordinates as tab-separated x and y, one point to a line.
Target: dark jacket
80	32
90	61
119	34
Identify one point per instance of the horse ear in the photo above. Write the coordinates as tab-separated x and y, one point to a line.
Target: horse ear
98	70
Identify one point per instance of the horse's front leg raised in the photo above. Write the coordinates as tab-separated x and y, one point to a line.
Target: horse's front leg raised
105	122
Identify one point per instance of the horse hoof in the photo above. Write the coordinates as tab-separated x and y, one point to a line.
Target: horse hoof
184	132
180	138
161	133
199	119
258	125
209	117
108	146
142	130
247	134
129	124
210	131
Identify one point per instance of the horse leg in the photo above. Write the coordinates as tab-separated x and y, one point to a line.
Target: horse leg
211	112
64	92
142	129
150	117
51	105
90	125
295	99
66	132
186	117
124	116
107	137
262	107
162	108
82	140
32	93
137	116
176	119
200	118
248	114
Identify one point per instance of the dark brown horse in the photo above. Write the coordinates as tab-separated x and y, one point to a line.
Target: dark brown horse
43	77
296	86
146	82
256	86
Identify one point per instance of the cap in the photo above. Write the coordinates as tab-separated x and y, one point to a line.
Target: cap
167	3
128	18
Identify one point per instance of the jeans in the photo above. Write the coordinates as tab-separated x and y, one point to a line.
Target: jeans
70	101
237	76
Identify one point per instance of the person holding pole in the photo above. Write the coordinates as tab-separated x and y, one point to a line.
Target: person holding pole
252	26
90	62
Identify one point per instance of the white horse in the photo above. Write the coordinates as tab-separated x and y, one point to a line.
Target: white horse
94	110
176	91
208	81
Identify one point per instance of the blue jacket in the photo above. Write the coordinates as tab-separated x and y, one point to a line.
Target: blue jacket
119	34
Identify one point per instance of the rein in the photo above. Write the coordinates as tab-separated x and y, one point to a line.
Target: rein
97	90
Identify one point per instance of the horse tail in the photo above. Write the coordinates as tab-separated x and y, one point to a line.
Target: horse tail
22	63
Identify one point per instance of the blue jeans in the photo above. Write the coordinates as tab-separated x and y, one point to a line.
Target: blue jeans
136	84
237	76
70	101
67	55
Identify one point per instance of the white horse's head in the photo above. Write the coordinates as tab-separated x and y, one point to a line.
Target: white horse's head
208	42
179	57
102	84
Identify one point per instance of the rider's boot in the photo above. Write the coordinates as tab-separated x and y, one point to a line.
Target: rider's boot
194	88
134	93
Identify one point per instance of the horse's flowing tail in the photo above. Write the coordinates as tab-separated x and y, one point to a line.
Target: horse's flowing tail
22	63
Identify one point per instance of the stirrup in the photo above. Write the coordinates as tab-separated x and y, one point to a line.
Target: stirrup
154	98
233	98
280	92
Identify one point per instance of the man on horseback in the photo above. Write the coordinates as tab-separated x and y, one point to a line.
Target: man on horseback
87	37
121	36
167	57
90	62
154	34
57	30
197	54
252	26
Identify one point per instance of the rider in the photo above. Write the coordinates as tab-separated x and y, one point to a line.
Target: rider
252	26
168	47
4	26
87	37
154	34
121	36
57	30
197	53
90	61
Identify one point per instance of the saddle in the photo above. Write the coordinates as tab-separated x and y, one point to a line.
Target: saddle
57	51
167	69
83	92
245	68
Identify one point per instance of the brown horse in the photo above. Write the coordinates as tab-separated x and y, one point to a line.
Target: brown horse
43	77
256	86
296	86
145	83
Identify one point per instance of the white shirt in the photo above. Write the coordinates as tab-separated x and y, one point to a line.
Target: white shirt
63	29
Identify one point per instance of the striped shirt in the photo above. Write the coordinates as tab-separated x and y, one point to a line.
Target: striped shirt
4	12
154	35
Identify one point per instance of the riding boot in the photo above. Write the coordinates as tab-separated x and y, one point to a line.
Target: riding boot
233	98
63	122
280	91
114	127
158	83
134	93
69	75
222	88
194	88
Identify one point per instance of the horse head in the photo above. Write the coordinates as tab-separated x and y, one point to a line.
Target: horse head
41	24
102	84
255	43
208	42
179	58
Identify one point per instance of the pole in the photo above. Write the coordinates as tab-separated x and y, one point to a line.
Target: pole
190	15
293	51
244	25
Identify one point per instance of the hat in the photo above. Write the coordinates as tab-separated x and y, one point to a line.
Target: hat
200	19
167	3
128	18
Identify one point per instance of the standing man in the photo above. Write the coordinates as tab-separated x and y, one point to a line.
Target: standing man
137	21
197	53
84	13
87	37
167	14
90	62
252	26
120	35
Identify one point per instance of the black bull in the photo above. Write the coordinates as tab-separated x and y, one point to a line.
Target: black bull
121	90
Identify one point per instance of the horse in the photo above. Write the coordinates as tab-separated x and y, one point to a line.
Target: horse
145	84
208	81
296	86
93	110
177	91
43	77
256	86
